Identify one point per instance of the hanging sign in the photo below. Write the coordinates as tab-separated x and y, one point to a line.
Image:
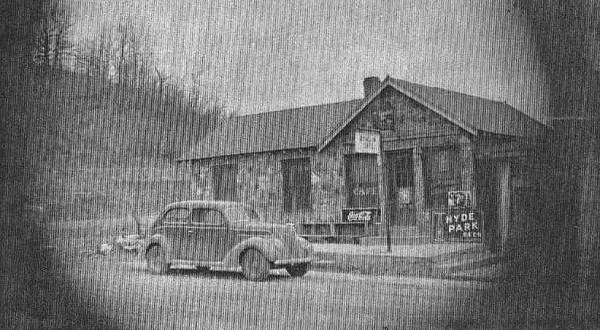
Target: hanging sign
366	142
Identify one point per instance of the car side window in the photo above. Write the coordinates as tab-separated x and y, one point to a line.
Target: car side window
207	217
177	216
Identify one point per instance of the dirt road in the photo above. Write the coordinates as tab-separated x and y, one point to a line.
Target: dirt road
122	294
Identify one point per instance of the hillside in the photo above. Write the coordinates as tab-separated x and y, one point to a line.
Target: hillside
97	149
83	118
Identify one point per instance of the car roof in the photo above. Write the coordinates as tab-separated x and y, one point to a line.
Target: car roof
205	203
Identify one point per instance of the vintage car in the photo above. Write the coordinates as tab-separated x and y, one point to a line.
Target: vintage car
218	234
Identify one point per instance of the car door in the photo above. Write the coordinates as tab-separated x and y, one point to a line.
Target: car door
174	228
210	235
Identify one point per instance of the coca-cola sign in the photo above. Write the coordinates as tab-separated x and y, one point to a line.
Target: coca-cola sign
359	214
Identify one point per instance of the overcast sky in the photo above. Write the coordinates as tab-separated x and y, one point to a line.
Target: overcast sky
274	54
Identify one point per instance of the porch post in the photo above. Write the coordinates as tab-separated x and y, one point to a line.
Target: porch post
504	203
467	180
419	194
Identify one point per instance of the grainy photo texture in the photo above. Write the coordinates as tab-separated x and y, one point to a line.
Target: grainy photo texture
180	164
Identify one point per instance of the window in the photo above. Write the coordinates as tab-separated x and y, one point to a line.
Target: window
296	184
362	181
207	217
524	193
176	216
241	213
442	174
224	182
381	113
383	116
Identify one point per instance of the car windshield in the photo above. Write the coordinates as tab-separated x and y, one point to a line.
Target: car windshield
241	213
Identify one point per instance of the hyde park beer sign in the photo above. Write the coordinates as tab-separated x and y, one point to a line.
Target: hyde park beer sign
462	221
463	224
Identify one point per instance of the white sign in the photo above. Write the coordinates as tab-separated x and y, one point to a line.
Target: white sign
404	196
459	199
366	142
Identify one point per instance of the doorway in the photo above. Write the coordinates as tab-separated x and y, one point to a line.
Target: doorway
487	184
401	188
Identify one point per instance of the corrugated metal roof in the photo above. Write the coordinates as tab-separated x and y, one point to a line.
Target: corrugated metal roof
476	112
309	126
277	130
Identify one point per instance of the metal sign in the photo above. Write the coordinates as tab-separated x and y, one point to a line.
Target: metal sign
359	214
366	142
459	199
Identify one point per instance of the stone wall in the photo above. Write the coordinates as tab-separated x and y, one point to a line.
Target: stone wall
259	183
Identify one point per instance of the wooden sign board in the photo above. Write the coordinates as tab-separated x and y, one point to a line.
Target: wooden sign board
366	142
463	224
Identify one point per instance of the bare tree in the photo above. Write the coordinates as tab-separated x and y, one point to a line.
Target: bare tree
120	54
162	78
133	57
95	56
124	30
52	42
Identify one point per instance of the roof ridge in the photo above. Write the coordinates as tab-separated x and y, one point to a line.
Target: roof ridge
512	107
457	92
294	128
295	109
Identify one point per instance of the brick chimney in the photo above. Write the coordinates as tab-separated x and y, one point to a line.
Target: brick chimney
371	84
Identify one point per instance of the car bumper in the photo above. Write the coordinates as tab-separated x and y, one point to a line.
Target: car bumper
294	261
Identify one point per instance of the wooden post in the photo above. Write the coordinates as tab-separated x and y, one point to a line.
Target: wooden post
504	203
382	194
422	220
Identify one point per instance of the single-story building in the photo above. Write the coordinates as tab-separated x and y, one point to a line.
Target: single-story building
302	166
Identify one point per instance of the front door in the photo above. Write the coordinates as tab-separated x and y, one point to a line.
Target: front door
400	176
174	227
210	235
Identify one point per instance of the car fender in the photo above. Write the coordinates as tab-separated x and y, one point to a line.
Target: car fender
163	242
270	247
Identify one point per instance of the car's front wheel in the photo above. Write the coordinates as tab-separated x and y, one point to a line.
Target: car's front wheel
297	270
157	263
254	265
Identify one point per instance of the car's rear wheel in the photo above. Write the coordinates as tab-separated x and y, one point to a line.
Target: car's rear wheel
254	265
157	263
297	270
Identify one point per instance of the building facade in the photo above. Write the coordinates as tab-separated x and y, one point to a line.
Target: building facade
302	166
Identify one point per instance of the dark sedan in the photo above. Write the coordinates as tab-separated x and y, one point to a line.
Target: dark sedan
207	234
